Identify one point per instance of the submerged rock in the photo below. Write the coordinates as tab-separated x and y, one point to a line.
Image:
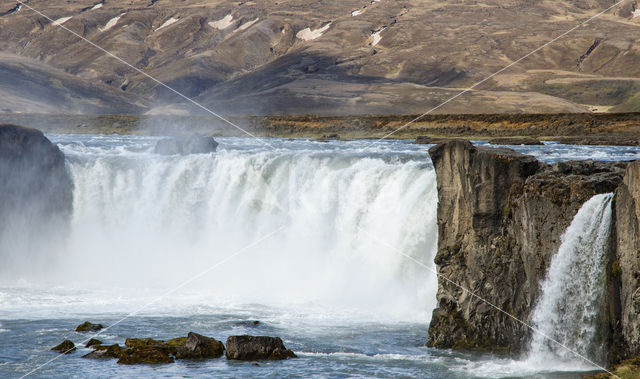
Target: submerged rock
199	347
66	347
515	141
186	145
88	327
248	348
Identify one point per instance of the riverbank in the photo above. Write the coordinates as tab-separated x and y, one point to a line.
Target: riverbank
574	128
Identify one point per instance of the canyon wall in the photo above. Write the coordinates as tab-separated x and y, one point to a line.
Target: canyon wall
500	218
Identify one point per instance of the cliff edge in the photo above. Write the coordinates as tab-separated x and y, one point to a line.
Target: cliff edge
500	218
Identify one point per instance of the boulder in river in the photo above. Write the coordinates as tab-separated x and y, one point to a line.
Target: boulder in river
66	347
199	347
249	348
88	327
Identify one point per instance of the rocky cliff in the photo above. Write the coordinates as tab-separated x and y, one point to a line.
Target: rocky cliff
500	218
36	193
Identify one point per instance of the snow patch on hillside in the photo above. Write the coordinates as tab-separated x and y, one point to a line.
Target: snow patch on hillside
112	22
247	25
377	37
309	35
62	20
223	23
169	22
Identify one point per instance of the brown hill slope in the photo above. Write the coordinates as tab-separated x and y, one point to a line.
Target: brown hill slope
342	57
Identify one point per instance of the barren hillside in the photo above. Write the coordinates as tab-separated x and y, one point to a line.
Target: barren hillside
323	57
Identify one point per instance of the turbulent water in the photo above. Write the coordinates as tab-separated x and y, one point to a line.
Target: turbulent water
318	241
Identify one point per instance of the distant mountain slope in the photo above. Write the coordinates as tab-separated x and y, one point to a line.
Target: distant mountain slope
338	57
28	86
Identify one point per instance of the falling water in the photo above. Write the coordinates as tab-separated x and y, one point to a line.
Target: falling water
570	307
142	220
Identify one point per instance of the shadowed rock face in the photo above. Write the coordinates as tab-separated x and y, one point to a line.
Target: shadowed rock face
626	269
36	192
500	218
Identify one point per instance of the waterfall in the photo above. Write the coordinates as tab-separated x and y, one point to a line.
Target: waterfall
570	306
142	220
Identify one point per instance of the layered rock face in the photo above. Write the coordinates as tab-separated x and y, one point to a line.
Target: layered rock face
500	218
36	191
626	269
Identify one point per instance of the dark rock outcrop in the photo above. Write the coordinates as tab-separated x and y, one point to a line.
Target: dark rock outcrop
199	347
186	145
66	347
88	327
249	348
36	192
500	218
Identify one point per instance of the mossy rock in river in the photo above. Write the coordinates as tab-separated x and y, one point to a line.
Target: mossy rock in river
145	354
93	342
141	342
105	352
66	347
200	347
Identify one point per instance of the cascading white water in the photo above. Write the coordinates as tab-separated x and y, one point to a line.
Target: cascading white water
142	220
570	306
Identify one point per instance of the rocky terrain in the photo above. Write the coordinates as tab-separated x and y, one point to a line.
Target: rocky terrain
192	347
324	57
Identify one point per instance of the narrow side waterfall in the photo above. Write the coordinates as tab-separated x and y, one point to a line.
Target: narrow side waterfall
144	221
570	306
